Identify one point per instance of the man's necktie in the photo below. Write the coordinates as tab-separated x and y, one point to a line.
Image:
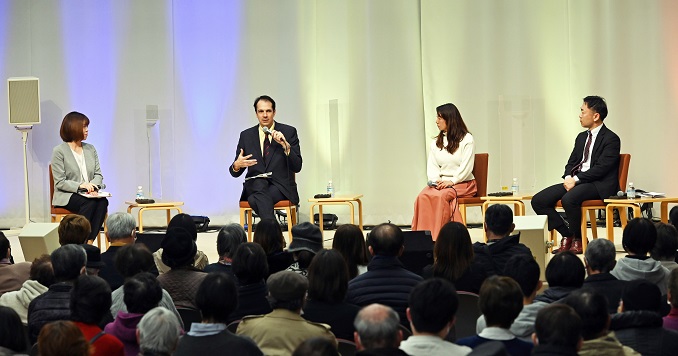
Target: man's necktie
267	147
577	168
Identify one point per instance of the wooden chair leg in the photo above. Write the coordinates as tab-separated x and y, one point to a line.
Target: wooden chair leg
462	211
623	217
594	223
250	228
288	210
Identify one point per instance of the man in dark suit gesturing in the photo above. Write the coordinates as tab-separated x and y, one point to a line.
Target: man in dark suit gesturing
270	152
592	172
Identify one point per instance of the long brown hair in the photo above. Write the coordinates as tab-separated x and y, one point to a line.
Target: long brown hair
350	242
453	252
456	128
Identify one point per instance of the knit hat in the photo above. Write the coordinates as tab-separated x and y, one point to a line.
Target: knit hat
93	256
185	222
178	248
287	286
306	236
641	295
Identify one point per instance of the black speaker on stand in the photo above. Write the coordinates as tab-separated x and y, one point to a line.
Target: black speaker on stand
418	251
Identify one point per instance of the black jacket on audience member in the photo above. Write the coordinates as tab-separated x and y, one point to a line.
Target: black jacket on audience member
251	301
494	255
470	281
53	305
279	261
607	285
642	331
339	316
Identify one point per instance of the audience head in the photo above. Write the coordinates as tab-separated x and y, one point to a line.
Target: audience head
565	270
672	287
453	251
121	226
68	262
673	216
269	235
523	269
249	263
307	241
12	334
42	272
386	240
4	246
90	300
600	256
72	127
94	263
229	238
132	259
185	222
499	220
74	229
141	293
158	332
500	301
178	248
316	346
639	237
217	297
641	295
591	307
350	242
667	243
432	306
377	326
60	338
596	104
328	277
287	290
558	325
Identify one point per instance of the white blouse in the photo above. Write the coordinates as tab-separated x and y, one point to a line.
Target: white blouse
80	159
456	167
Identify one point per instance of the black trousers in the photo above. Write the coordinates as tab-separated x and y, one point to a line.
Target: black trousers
93	209
262	195
545	201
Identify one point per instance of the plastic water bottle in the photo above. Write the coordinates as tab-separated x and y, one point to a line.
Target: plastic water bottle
631	191
140	192
514	186
330	189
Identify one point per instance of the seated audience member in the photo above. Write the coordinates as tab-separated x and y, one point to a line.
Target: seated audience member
307	241
142	293
433	305
12	275
638	324
664	249
269	236
592	307
564	273
61	335
185	222
500	301
673	216
638	239
41	277
557	331
94	263
250	268
74	229
501	245
671	320
350	242
453	259
327	285
386	281
121	232
283	329
183	280
129	261
13	340
216	299
599	260
525	271
90	304
377	331
158	332
317	346
228	239
68	262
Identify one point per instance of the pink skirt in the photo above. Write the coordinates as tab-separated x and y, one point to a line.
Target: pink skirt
435	208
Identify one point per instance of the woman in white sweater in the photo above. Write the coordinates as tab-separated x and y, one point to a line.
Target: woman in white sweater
449	170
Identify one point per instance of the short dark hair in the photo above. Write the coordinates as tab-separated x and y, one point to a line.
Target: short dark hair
142	292
592	308
72	126
667	243
639	236
229	238
673	216
597	104
12	335
41	271
132	259
74	229
316	346
433	304
217	297
328	277
249	263
672	286
640	294
269	235
350	242
4	245
90	299
68	261
565	270
386	239
500	301
558	325
600	255
525	271
498	219
264	98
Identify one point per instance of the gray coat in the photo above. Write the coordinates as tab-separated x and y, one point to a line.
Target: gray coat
66	172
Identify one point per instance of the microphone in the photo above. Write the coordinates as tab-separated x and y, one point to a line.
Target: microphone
620	194
267	130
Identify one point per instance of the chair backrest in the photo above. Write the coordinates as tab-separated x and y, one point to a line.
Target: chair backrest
624	162
346	347
189	316
233	326
406	332
467	315
51	186
480	166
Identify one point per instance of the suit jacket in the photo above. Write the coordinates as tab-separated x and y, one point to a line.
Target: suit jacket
282	166
67	173
604	170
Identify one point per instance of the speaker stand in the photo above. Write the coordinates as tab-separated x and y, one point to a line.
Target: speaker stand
24	137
